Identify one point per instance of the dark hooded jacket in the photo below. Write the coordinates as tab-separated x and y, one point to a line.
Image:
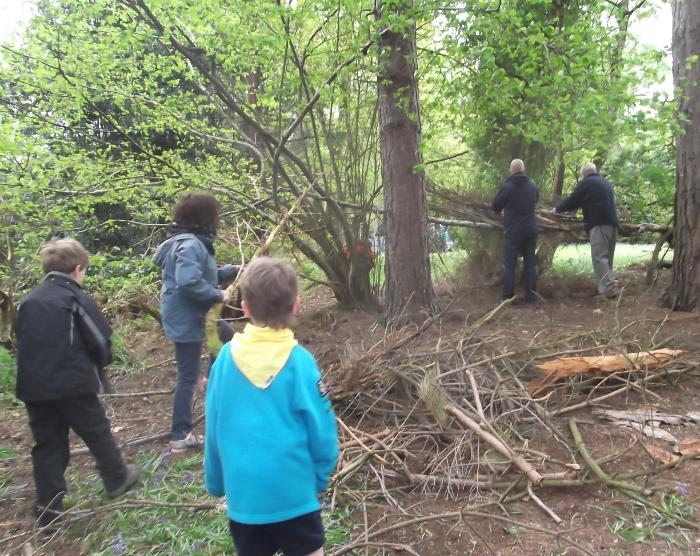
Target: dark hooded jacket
518	198
190	280
595	196
63	342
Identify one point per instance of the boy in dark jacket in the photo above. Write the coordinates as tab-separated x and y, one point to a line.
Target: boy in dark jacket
63	343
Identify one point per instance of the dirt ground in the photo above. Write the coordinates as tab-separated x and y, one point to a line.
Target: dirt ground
335	336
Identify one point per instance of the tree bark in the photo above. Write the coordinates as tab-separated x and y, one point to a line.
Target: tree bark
407	265
685	289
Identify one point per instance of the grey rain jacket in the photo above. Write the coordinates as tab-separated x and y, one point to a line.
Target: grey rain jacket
190	280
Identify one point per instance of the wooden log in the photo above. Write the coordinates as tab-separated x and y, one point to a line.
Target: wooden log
558	369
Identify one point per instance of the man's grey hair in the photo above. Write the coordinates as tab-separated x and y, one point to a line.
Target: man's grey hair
587	169
516	166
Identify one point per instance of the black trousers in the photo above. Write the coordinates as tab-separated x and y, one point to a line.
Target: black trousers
50	422
512	248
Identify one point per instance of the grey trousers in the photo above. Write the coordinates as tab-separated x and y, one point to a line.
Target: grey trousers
602	252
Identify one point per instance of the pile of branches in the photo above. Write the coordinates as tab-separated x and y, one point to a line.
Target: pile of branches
452	208
455	414
452	415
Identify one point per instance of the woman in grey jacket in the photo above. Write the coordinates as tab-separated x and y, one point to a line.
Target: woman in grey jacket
190	278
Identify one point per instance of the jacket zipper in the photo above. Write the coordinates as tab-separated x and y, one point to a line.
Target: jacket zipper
72	325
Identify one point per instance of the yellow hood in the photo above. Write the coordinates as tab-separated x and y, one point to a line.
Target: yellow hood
260	353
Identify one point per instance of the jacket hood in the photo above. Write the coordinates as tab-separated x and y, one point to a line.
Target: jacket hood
519	178
55	274
164	248
261	353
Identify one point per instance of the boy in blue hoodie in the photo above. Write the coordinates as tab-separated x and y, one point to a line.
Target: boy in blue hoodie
271	440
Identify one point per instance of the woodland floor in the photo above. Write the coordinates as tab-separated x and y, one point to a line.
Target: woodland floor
377	496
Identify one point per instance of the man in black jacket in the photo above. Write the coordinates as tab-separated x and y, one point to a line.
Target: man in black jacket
63	341
595	196
517	198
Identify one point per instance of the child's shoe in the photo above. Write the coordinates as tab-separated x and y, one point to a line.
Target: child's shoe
132	475
190	442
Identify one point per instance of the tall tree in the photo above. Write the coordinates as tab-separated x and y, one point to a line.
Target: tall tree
685	290
407	266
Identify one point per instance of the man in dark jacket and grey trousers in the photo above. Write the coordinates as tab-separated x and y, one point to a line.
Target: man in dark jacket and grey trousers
595	196
517	198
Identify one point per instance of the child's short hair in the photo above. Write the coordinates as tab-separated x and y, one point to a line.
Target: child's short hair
63	255
269	288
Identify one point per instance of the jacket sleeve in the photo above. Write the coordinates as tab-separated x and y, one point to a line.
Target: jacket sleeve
573	201
501	198
189	277
317	413
227	272
94	330
213	471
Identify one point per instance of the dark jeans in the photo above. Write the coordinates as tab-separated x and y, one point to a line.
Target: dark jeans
187	358
512	248
50	422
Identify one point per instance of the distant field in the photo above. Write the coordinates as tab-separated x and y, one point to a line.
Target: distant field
570	259
576	258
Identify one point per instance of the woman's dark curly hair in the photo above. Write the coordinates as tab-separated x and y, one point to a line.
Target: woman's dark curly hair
198	211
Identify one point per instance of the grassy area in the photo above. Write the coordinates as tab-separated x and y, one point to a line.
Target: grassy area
570	259
575	258
163	530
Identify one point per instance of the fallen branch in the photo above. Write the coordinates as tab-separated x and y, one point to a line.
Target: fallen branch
593	464
544	506
599	365
138	394
518	461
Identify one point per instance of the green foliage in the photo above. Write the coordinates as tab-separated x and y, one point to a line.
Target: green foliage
8	376
643	524
549	82
103	123
7	452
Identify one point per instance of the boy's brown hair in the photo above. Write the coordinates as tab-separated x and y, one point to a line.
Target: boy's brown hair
63	255
269	288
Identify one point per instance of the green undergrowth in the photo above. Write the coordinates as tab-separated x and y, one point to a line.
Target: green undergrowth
161	530
8	452
636	523
8	374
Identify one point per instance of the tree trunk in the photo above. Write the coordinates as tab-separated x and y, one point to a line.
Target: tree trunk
685	289
407	267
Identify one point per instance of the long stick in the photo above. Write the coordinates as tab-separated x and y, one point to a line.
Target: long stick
215	312
525	468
